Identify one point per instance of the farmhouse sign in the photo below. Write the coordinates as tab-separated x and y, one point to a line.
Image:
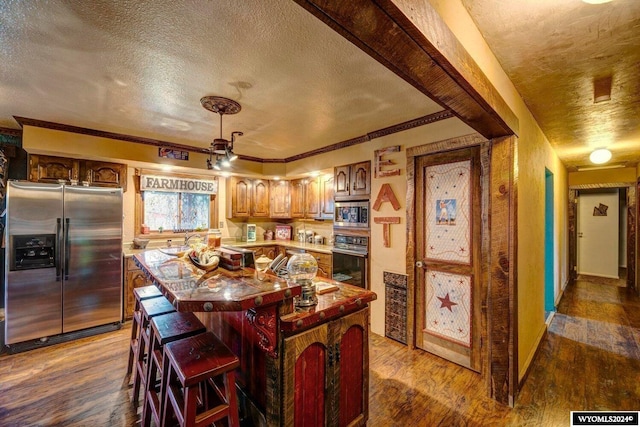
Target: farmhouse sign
178	185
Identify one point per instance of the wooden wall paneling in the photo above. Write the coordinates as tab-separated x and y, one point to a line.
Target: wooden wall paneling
502	378
499	352
573	243
410	254
632	213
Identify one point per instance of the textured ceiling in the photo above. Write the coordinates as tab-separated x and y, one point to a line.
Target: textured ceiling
141	67
553	50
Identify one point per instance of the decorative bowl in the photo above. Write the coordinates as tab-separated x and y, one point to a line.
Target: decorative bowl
211	260
140	243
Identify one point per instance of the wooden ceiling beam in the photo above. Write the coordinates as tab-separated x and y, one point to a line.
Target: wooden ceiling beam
414	49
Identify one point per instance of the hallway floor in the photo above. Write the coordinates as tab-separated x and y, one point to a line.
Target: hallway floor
589	360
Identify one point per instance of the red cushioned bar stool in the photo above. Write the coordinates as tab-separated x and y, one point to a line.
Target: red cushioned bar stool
140	294
164	329
200	386
149	309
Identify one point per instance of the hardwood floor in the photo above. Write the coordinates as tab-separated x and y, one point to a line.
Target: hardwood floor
589	360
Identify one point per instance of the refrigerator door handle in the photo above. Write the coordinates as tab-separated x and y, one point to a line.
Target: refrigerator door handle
58	246
67	249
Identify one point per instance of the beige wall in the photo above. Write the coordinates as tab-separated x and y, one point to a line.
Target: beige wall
534	154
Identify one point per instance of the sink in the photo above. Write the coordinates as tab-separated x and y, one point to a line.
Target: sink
174	250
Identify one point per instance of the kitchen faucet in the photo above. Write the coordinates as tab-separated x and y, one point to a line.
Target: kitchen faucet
187	237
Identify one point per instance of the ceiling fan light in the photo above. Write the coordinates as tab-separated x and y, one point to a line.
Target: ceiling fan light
225	162
600	156
232	156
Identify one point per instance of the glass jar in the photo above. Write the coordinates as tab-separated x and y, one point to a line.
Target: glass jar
214	238
302	269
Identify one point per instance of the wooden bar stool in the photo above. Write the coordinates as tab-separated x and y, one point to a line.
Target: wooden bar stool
149	309
200	382
164	329
140	294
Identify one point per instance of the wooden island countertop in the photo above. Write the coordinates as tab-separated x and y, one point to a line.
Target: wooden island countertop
281	347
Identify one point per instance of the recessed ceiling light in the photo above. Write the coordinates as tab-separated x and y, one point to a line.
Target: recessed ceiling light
600	156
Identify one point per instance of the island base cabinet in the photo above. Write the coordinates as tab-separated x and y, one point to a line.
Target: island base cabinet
326	374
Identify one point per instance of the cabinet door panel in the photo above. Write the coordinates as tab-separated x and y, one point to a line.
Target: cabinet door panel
349	335
342	177
240	197
260	207
105	174
312	198
51	168
304	378
361	179
309	407
297	198
326	196
279	205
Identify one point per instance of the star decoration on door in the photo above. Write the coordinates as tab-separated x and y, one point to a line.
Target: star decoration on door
448	306
446	302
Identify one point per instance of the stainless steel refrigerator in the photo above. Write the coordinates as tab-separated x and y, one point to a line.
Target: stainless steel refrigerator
63	270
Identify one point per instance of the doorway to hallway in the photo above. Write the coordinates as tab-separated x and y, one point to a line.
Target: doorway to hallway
549	258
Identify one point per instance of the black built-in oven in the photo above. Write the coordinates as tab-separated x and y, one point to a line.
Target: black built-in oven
350	259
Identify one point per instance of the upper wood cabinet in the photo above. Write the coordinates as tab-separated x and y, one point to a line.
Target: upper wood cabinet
239	197
53	169
260	198
312	197
247	197
326	196
353	181
297	198
96	173
279	199
104	174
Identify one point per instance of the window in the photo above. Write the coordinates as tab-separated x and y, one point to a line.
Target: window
176	211
174	203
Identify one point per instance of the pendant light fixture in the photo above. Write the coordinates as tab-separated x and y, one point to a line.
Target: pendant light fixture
220	147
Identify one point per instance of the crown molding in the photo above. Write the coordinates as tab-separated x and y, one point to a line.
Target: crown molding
400	127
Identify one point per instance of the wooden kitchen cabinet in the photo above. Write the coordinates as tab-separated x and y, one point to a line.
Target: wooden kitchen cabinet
239	196
297	198
248	197
280	199
353	181
268	251
133	278
326	196
312	198
260	198
326	374
52	169
96	173
325	267
104	174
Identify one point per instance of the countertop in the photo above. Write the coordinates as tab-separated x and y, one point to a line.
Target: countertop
191	289
128	251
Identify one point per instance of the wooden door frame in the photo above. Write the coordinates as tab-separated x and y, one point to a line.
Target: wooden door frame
498	287
632	203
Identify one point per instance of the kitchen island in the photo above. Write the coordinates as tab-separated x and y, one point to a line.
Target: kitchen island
310	364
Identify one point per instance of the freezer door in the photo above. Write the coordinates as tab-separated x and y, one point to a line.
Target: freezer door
93	257
33	297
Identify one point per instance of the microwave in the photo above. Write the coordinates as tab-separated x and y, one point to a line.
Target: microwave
351	214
